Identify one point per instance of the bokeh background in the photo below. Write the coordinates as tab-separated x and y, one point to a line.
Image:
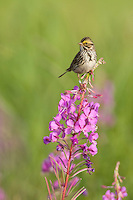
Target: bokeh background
38	40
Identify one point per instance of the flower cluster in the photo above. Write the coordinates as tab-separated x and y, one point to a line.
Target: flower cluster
112	196
74	130
72	120
120	192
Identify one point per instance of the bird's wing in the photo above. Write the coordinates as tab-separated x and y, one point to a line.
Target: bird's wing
76	62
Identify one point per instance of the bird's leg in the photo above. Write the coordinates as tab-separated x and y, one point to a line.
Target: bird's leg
79	79
83	76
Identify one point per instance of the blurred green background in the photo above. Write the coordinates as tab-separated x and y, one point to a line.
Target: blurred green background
38	40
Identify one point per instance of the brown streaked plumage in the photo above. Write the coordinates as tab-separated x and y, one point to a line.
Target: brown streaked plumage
85	59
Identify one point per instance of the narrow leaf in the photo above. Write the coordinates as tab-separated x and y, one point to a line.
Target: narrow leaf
63	174
78	165
56	171
73	187
53	190
65	155
55	161
48	188
62	162
78	193
58	176
78	172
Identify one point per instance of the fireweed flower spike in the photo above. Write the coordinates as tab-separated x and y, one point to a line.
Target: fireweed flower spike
74	129
119	192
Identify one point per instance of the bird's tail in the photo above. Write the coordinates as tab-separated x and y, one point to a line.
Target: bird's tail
62	74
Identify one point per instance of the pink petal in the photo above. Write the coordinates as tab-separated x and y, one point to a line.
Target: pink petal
68	130
66	97
93	120
93	149
93	137
97	105
87	128
53	126
86	111
93	113
77	127
61	103
70	122
72	109
81	123
54	136
58	117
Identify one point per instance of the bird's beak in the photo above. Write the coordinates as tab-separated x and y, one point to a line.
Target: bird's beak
80	43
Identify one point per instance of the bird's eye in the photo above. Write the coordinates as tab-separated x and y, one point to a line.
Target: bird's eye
85	43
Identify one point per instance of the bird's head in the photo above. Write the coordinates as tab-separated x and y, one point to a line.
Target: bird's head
86	44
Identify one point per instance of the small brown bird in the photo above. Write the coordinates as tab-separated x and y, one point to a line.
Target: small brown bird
85	59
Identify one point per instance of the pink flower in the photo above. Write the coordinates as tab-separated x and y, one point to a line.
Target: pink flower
93	137
46	140
93	149
54	136
109	195
122	192
81	126
74	140
70	126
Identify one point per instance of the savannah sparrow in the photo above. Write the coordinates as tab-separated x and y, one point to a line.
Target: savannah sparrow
86	58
